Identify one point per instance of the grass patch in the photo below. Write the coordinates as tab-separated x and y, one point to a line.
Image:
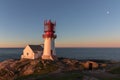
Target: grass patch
64	76
32	76
115	70
111	79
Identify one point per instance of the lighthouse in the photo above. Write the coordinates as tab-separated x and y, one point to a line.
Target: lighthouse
49	40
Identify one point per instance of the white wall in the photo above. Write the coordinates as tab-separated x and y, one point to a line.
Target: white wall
48	46
28	51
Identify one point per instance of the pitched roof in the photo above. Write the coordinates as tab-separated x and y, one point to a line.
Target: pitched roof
36	48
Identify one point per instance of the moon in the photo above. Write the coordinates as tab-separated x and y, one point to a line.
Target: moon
108	12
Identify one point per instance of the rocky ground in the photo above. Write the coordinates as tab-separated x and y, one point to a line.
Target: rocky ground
62	69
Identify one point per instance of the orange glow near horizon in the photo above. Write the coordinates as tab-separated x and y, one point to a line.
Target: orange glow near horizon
81	44
91	44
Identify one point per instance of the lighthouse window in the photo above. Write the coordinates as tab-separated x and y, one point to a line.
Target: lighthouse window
46	28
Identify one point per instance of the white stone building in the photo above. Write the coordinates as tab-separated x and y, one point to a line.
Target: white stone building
32	52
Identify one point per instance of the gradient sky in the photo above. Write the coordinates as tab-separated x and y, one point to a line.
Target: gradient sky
80	23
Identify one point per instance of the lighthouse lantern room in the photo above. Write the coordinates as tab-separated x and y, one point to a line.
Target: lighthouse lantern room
49	40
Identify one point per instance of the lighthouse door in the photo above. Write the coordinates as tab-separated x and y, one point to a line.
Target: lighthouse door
90	66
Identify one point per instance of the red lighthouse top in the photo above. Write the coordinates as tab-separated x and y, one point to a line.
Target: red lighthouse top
49	29
49	26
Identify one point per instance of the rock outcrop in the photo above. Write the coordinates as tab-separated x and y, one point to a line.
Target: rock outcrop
12	69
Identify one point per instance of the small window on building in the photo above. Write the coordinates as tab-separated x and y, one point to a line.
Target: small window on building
27	53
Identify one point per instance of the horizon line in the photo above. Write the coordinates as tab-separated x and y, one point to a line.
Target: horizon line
68	47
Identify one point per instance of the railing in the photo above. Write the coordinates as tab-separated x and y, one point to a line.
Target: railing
49	36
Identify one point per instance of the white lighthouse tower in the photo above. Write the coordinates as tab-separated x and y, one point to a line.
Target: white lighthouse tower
49	41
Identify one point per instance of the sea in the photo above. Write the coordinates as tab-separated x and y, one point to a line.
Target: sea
74	53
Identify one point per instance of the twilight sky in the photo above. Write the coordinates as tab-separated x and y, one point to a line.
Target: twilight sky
80	23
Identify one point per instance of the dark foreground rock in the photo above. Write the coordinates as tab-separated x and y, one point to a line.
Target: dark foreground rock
13	69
